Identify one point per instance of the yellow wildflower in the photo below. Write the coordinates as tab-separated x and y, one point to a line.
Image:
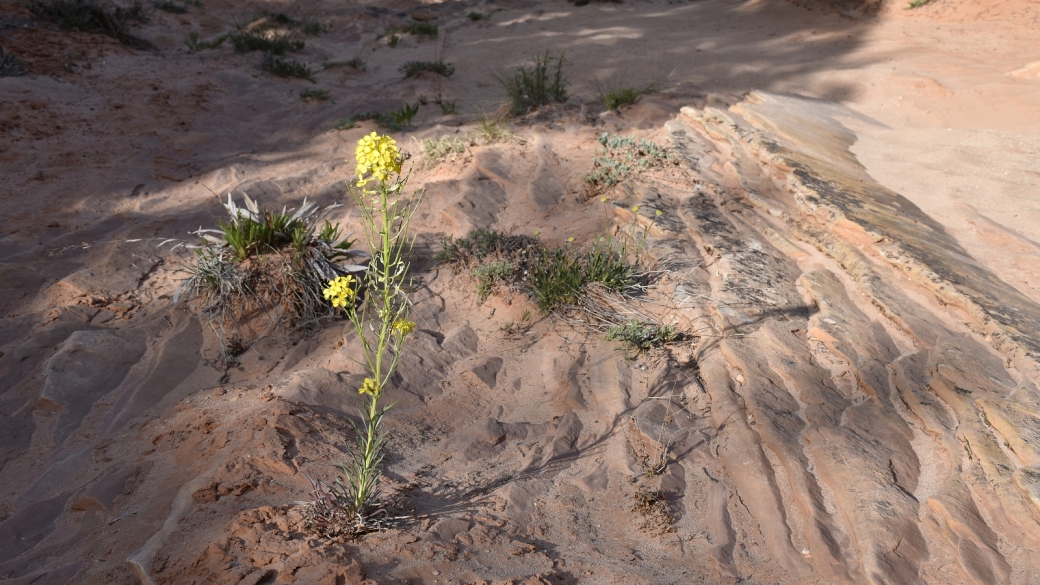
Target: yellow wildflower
602	199
377	156
635	209
370	386
404	327
570	240
658	213
537	233
340	291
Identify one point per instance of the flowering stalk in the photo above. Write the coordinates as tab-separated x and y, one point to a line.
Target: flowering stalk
381	320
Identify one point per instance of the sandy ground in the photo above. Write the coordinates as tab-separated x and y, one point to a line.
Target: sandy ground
849	235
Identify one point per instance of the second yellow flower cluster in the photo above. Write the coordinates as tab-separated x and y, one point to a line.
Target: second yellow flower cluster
340	291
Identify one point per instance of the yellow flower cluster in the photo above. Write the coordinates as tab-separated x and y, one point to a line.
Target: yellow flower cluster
404	327
340	291
370	386
376	155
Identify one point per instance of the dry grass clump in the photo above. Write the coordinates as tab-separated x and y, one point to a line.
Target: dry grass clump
267	263
652	505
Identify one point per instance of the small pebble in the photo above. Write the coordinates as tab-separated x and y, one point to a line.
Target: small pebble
435	573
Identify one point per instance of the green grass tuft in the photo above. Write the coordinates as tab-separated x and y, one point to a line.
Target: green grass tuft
276	44
195	43
488	275
10	65
171	7
622	97
413	68
403	116
449	108
536	84
321	95
286	68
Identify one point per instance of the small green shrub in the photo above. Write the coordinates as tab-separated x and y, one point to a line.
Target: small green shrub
393	40
917	3
345	124
642	335
312	27
286	68
488	275
384	120
422	29
622	97
620	156
445	147
403	116
10	65
321	95
556	280
492	130
356	63
268	260
276	44
520	326
89	16
534	85
196	44
481	243
413	68
449	108
171	7
475	16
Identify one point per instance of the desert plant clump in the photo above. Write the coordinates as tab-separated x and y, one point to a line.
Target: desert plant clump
620	156
652	505
403	116
488	274
195	43
353	504
268	262
594	286
449	108
281	67
10	65
536	84
444	148
413	68
385	120
492	130
171	7
321	95
90	16
475	16
259	40
557	279
356	63
917	3
641	335
625	96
